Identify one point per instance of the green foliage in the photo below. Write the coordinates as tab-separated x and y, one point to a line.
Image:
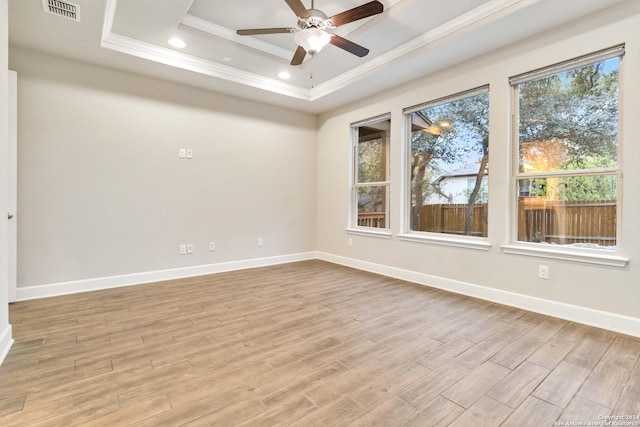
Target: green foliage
456	133
579	188
465	138
467	133
371	164
470	123
589	188
578	107
538	187
590	162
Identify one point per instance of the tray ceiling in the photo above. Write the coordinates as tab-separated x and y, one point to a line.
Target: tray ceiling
411	38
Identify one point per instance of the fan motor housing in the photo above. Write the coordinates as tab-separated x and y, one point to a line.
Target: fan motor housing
316	19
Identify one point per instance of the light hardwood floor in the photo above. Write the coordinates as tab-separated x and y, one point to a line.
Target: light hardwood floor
305	344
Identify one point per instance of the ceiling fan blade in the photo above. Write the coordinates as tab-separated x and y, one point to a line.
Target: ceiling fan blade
298	57
255	31
298	8
360	12
348	45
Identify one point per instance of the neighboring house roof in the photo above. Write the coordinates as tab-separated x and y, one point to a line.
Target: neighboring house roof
364	200
467	170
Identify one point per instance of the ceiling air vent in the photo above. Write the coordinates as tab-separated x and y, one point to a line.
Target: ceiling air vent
62	8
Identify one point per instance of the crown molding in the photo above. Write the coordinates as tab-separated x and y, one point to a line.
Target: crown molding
152	52
170	57
229	34
460	23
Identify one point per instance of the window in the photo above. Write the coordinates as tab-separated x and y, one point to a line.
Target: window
371	173
449	164
483	194
568	163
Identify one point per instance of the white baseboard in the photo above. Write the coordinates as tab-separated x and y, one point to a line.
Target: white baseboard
73	287
614	322
6	341
601	319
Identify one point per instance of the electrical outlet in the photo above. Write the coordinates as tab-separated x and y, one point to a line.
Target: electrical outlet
189	153
350	242
189	248
260	242
183	249
543	272
212	246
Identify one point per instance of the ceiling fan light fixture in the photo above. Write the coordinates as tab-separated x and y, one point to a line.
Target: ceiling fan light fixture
312	39
312	36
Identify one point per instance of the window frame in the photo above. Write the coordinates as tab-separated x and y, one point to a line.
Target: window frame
442	239
576	254
353	226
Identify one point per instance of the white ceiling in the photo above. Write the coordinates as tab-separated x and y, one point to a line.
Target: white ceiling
411	38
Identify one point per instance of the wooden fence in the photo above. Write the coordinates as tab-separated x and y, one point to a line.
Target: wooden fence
451	218
541	220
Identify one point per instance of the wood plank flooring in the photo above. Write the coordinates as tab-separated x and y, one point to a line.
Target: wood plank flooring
306	344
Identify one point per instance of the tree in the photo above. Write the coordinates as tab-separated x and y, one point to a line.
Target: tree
578	108
575	113
568	133
425	147
371	158
472	116
589	188
458	132
370	161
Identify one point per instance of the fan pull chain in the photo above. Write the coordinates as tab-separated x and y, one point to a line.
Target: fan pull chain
311	78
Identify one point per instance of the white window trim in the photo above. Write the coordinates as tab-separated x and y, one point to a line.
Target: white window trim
371	232
581	61
467	242
453	240
582	256
353	226
606	257
445	99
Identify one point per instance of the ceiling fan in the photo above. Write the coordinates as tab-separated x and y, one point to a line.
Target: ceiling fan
311	35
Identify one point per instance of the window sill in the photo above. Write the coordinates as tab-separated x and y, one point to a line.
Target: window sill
385	234
469	243
567	255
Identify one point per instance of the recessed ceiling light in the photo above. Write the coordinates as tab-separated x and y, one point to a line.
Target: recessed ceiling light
177	43
284	75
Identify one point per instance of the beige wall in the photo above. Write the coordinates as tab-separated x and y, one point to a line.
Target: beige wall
610	289
5	329
102	192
